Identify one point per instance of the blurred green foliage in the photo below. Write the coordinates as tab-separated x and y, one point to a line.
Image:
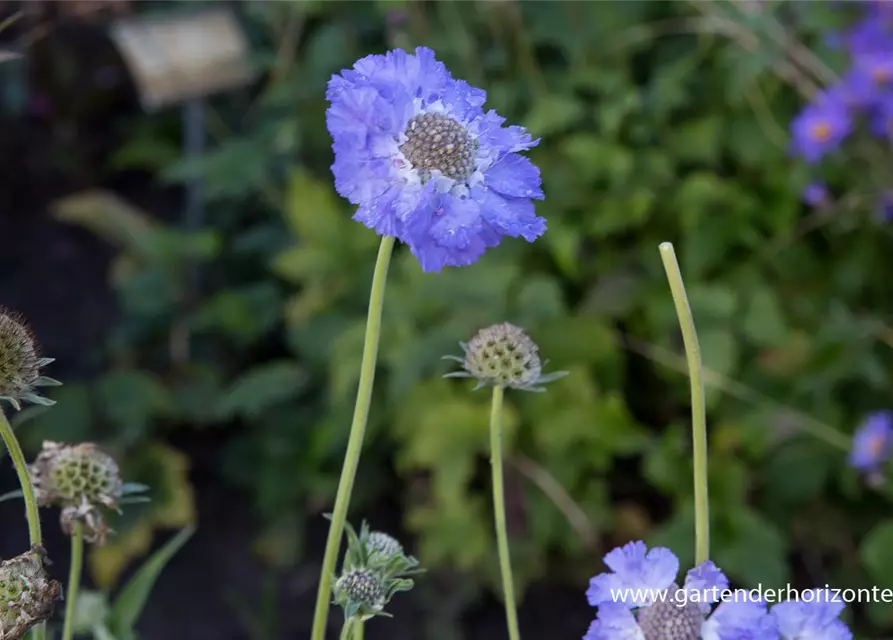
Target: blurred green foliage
660	121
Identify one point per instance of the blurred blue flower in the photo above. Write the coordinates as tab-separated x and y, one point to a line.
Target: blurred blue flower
872	442
821	126
815	194
870	80
814	616
423	162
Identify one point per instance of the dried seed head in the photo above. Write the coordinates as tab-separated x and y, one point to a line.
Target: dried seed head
20	362
363	588
382	545
72	475
27	595
671	620
503	355
93	526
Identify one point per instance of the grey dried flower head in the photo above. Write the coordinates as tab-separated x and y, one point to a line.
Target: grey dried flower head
27	595
383	545
79	478
20	363
671	619
503	355
361	593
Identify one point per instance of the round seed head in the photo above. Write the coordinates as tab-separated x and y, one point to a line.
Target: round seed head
437	142
27	595
362	587
19	357
382	545
75	475
671	619
503	355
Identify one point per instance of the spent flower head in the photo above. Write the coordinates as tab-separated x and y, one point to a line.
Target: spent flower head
20	363
503	355
27	595
78	478
423	161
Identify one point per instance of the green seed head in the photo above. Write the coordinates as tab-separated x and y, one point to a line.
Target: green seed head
382	545
503	355
27	595
76	475
362	587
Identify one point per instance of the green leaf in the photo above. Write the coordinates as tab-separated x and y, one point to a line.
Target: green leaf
876	552
133	597
261	388
753	550
764	321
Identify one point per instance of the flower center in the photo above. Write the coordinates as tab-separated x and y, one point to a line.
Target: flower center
880	75
671	619
876	445
437	142
821	131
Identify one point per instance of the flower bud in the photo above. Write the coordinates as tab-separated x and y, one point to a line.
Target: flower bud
27	595
361	593
20	363
503	355
74	475
382	545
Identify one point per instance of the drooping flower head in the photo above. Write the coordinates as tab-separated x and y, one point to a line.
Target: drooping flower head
503	355
872	443
821	126
813	615
423	162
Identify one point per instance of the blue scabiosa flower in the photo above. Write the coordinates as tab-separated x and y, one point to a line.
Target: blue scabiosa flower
423	162
872	443
814	615
640	600
821	126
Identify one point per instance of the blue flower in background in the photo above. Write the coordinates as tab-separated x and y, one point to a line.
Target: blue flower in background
872	443
815	194
821	126
423	162
813	616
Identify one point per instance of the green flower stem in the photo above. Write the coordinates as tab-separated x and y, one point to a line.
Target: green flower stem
74	578
355	440
502	540
358	630
31	512
698	407
348	631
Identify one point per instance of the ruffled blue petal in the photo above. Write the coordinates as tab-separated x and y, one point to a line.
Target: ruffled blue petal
614	622
813	616
638	575
745	620
708	581
516	177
